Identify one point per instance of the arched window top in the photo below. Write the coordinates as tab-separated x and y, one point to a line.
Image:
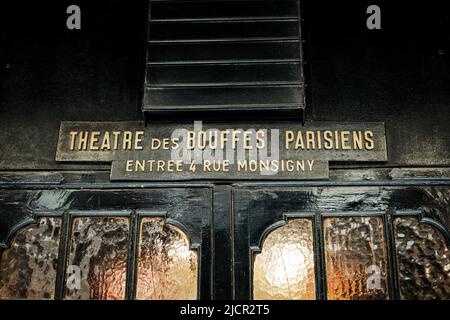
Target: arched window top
423	260
167	268
28	267
358	258
97	255
285	267
97	258
355	258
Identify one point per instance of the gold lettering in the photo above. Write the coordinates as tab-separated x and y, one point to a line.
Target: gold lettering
336	138
290	165
170	165
129	166
156	144
260	142
242	165
116	139
82	141
140	166
247	140
94	140
310	164
264	165
310	141
357	140
299	143
253	165
191	140
127	137
235	138
206	165
175	143
106	142
202	140
138	140
289	137
213	139
72	134
319	139
344	140
166	144
223	138
368	136
328	140
300	165
179	165
150	164
275	165
216	166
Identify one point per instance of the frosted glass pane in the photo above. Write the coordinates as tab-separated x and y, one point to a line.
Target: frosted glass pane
167	268
285	267
423	260
28	267
96	267
356	259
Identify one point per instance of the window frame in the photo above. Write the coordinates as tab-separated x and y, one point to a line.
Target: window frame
318	218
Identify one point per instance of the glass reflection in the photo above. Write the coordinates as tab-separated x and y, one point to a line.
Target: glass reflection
28	267
96	267
423	260
167	268
355	257
285	267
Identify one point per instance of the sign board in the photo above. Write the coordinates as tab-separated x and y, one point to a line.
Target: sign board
218	151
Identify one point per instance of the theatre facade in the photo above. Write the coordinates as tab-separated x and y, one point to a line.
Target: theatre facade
243	149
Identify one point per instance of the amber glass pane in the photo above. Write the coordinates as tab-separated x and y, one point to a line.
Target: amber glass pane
167	268
355	255
423	260
285	267
97	256
28	267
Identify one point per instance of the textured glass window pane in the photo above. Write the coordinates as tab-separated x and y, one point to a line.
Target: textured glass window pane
423	260
355	256
96	267
28	267
167	268
285	267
